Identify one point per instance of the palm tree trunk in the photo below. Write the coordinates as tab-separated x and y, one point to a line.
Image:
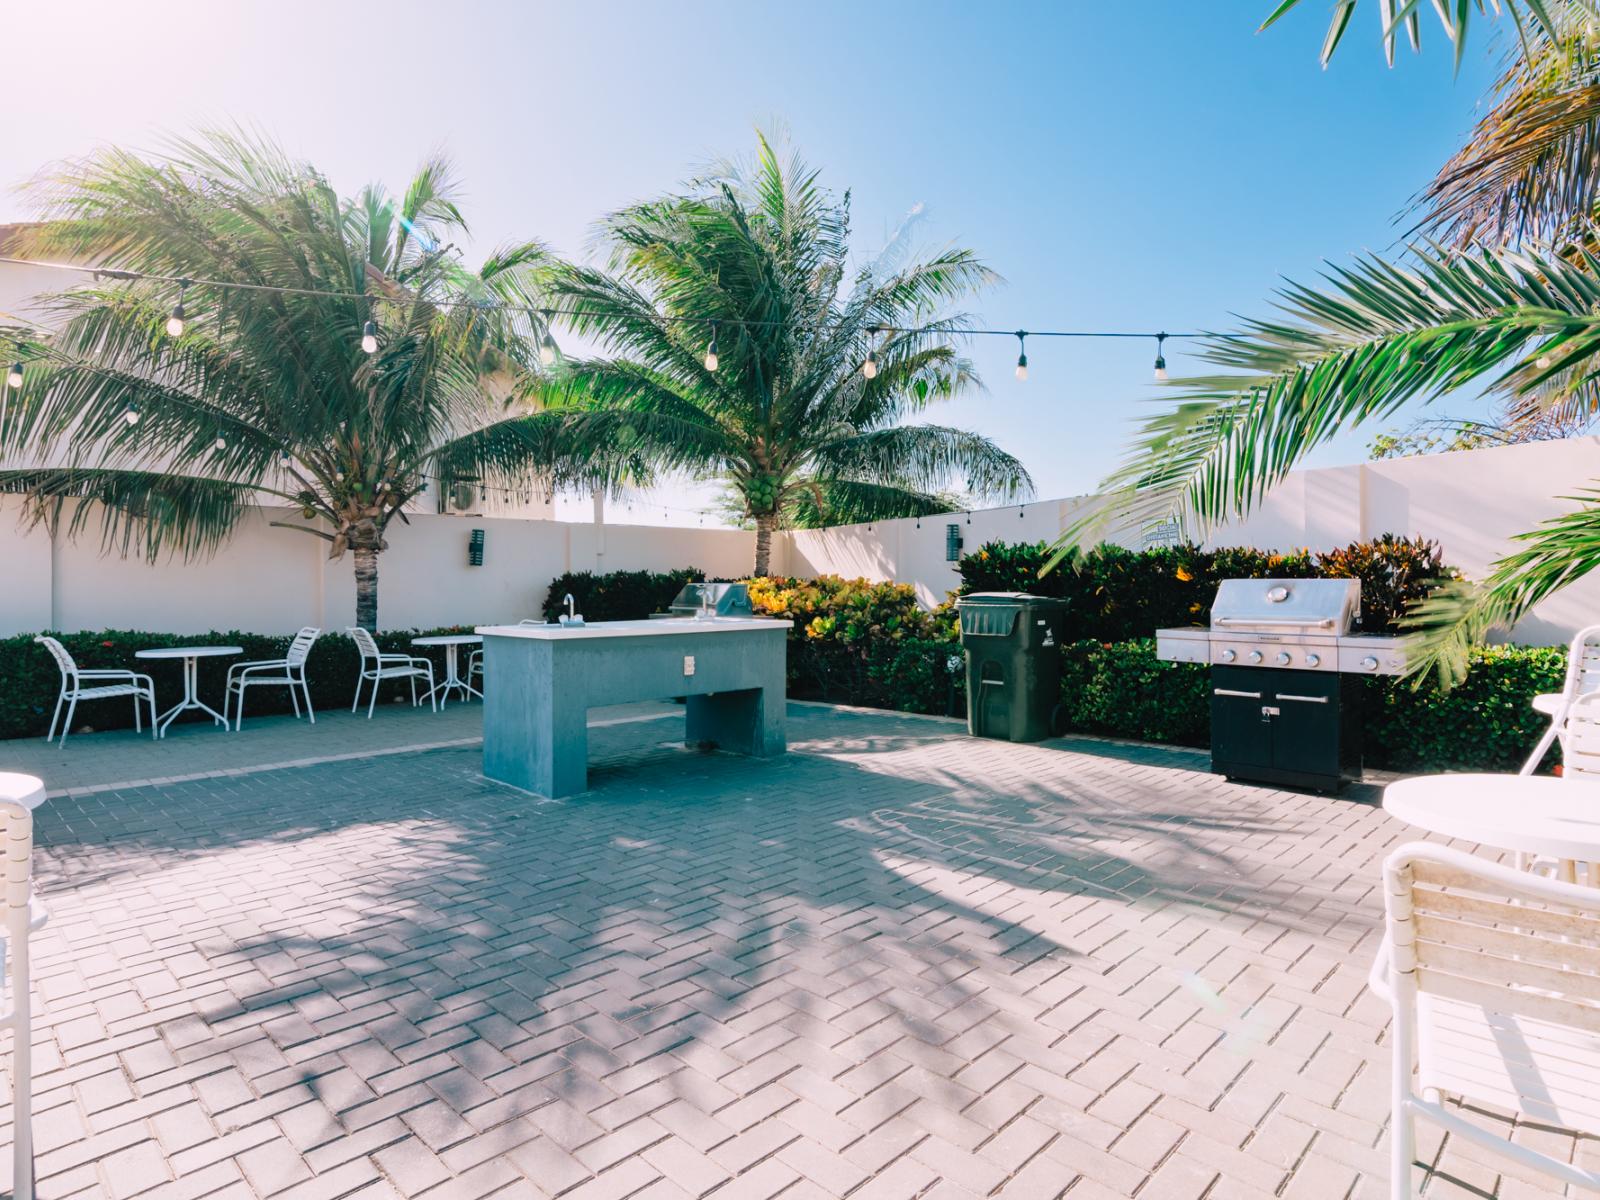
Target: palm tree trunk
764	526
366	557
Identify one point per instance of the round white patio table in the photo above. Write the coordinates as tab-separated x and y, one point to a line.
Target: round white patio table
191	656
452	643
1531	814
26	790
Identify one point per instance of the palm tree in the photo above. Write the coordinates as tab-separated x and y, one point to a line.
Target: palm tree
1498	309
264	391
735	340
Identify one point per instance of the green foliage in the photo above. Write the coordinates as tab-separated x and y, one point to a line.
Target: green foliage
1122	689
1115	594
617	595
756	260
858	642
30	682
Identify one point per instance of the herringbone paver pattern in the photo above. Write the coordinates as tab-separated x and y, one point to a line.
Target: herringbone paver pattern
896	963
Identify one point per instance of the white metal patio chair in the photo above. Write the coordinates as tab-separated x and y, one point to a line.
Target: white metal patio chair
1494	978
288	671
78	685
378	666
1583	678
19	795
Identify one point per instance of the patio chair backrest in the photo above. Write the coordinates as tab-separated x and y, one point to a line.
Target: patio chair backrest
300	648
364	642
1583	663
59	653
1498	973
1580	752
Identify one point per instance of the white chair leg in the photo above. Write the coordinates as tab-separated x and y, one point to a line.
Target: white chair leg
138	720
21	1059
413	679
155	728
56	716
373	700
294	699
72	707
356	703
1534	759
311	713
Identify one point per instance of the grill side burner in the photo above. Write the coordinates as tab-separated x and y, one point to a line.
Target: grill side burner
1285	692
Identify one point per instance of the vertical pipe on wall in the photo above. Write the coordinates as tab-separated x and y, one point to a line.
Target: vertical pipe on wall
599	530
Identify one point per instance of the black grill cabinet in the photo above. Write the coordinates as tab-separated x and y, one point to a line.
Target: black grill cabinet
1297	728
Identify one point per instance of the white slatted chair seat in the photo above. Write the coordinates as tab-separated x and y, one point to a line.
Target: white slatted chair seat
97	684
377	666
1583	679
23	913
1494	977
291	670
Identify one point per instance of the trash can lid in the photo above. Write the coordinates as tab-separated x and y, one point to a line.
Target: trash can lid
1027	598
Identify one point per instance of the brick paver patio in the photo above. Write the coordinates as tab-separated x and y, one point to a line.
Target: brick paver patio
897	963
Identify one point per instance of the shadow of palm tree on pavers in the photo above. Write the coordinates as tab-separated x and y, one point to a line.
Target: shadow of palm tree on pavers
702	923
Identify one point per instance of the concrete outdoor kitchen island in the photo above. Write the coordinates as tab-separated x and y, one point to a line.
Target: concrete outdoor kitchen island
540	680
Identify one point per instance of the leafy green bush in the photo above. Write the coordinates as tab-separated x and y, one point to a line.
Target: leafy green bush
1114	594
30	682
617	595
1122	689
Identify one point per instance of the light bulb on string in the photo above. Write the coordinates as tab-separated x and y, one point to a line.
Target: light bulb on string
547	351
711	351
1022	356
1543	362
1161	361
369	336
869	369
14	376
176	322
131	414
221	443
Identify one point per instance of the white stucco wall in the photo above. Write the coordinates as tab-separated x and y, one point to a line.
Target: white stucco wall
1472	502
268	580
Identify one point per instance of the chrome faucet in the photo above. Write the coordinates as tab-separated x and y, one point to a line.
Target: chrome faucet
705	602
572	616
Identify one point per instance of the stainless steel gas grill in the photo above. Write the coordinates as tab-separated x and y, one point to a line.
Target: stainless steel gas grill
1285	696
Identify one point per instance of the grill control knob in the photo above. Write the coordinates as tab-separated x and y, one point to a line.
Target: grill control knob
1369	663
1255	657
1313	660
1229	655
1283	658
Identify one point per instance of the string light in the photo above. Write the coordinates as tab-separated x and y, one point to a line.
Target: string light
131	414
1022	356
221	443
14	376
547	352
1161	361
176	322
870	367
1543	362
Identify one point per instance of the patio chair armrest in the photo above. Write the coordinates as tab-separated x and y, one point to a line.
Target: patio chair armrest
260	664
1378	977
108	673
395	658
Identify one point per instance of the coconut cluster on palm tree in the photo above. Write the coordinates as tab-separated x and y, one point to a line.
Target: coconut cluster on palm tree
738	343
353	361
1503	295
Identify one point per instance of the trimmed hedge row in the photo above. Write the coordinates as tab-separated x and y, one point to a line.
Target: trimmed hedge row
1115	595
30	682
617	595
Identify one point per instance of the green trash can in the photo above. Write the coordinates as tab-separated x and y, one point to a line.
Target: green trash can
1013	645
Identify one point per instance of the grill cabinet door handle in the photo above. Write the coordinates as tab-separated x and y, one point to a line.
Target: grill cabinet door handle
1303	699
1297	622
1233	692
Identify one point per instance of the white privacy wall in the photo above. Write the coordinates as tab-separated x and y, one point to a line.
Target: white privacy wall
1472	502
268	580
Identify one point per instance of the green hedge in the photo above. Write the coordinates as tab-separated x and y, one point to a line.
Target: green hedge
30	682
617	595
1115	595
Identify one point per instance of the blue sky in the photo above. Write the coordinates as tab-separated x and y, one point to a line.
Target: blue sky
1122	165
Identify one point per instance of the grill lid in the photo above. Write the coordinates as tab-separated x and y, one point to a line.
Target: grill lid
1324	606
